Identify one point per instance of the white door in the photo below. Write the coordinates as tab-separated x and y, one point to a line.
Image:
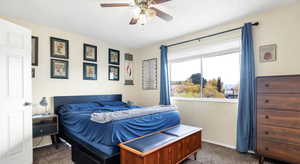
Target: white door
15	94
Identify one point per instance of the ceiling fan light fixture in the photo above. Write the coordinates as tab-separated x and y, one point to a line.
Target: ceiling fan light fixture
143	10
151	13
136	12
142	19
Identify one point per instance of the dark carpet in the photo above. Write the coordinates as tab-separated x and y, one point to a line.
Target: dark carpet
209	154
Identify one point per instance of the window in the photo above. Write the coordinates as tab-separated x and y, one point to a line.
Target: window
184	79
211	76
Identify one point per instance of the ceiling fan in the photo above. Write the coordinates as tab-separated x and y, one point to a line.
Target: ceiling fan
143	9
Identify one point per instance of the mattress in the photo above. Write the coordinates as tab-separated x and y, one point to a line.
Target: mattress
105	137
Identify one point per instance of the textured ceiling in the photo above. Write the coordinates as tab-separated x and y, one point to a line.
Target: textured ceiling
111	24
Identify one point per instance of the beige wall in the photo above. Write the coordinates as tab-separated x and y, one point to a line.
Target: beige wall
44	86
280	26
218	119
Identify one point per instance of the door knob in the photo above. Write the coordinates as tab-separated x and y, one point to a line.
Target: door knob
27	104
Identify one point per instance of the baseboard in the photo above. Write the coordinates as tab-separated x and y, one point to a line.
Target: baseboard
224	145
220	144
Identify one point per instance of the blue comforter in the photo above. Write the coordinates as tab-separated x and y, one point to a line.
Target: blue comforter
76	120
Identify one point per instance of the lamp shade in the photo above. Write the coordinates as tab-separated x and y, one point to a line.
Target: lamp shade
44	102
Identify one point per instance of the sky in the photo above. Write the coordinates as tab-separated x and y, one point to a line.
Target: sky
226	66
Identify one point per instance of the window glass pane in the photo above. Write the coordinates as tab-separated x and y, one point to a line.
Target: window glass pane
221	76
186	78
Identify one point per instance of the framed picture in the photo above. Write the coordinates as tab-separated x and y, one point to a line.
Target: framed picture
59	48
128	70
89	52
33	72
113	56
89	71
113	73
149	74
34	50
59	69
267	53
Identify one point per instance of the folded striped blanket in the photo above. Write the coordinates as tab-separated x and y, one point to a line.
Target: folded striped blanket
125	114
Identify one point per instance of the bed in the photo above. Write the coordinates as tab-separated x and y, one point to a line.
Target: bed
97	143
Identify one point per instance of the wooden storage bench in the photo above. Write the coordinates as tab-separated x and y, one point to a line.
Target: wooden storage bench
167	147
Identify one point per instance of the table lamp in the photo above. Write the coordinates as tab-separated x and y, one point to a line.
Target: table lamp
44	103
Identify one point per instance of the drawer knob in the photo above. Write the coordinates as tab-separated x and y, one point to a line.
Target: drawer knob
267	117
41	130
267	149
267	101
267	85
266	132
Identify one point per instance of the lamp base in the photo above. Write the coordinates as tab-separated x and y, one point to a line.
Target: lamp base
46	111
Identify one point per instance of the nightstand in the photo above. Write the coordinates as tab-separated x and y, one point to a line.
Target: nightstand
45	125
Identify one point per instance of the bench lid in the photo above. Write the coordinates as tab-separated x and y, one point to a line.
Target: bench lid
181	130
151	142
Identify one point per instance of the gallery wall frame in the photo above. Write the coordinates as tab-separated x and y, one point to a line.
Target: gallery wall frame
59	69
89	52
59	48
35	51
113	56
113	73
89	71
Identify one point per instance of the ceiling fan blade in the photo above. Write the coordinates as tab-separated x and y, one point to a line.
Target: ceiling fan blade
162	14
115	4
133	21
159	1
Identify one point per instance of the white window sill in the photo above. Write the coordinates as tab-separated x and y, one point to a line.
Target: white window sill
218	100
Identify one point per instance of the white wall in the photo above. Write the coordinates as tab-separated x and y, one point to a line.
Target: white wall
44	86
280	26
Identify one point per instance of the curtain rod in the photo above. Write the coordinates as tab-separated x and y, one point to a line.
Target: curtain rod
207	36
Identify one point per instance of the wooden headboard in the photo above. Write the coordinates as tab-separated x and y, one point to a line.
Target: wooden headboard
63	100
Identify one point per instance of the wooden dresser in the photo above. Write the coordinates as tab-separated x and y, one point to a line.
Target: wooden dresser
278	118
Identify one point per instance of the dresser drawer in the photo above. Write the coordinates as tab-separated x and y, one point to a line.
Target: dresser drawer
279	101
280	151
44	129
279	134
278	118
287	84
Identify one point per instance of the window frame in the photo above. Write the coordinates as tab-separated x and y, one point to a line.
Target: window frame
201	56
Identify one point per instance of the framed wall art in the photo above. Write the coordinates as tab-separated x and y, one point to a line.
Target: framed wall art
59	48
113	73
59	69
113	56
128	70
89	52
34	50
267	53
89	71
149	74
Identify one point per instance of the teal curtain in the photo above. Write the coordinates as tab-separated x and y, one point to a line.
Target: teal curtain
164	77
246	127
